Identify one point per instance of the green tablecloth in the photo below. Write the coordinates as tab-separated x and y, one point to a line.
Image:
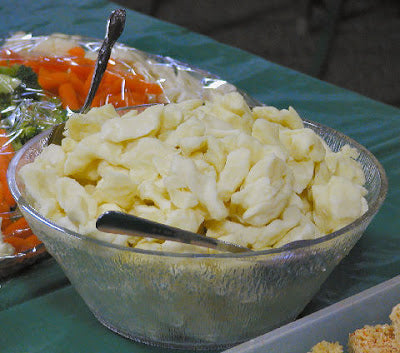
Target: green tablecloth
41	312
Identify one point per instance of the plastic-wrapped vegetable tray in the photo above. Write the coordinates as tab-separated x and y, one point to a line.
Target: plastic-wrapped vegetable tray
137	77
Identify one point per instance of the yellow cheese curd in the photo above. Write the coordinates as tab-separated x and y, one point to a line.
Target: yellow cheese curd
255	177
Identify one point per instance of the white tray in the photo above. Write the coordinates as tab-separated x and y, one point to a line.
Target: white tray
332	324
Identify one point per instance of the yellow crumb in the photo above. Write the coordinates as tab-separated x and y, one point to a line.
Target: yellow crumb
327	347
373	339
395	318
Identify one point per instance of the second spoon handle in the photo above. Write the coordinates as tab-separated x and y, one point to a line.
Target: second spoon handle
115	26
123	223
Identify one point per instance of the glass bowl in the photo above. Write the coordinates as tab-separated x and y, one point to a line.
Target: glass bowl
198	300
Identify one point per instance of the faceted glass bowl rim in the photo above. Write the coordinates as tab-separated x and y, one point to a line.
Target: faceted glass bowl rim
373	208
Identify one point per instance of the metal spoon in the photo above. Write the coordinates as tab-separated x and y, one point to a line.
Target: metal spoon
123	223
115	26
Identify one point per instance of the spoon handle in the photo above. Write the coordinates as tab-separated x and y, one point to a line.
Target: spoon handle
115	26
123	223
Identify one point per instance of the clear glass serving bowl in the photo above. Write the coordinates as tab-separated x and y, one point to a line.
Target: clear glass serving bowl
197	300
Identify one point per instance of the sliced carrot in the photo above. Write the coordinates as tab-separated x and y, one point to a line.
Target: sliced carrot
19	244
77	51
116	100
8	53
3	135
113	82
5	221
32	241
52	80
153	88
21	233
98	100
19	224
78	85
126	71
70	77
84	62
6	152
6	215
45	80
88	81
53	63
10	62
9	57
82	67
137	98
7	195
82	71
137	85
117	85
68	96
4	206
59	77
8	198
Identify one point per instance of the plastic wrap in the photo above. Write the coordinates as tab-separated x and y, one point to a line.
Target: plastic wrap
132	76
59	73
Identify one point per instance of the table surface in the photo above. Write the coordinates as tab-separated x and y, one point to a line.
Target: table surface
41	312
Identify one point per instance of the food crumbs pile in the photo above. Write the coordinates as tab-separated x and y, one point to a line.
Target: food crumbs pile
382	338
251	176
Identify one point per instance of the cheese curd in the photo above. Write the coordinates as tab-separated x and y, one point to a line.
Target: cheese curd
255	177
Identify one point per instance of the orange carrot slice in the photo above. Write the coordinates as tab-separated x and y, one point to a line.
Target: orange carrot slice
68	96
77	51
19	244
8	198
16	227
32	241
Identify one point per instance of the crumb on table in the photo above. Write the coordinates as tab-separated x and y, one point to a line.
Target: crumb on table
327	347
395	318
373	339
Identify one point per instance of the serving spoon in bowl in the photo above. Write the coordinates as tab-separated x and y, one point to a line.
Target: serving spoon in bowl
127	224
114	29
